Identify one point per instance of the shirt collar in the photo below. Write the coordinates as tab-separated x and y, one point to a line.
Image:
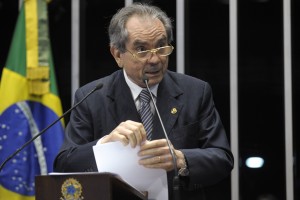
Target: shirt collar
135	89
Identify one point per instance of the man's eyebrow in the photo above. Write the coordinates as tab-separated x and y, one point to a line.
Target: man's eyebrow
162	40
144	43
139	43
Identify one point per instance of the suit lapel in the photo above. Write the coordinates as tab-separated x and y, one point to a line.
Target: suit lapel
122	106
168	105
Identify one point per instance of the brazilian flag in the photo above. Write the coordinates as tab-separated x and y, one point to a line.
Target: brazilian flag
29	102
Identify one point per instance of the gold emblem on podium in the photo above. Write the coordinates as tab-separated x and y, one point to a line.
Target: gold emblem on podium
71	189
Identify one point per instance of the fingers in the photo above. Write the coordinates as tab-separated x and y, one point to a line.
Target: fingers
158	162
156	159
154	147
134	132
156	154
128	132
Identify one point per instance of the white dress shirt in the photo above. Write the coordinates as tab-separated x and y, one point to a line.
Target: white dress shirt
135	91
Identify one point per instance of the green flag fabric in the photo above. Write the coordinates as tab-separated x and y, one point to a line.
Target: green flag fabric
29	102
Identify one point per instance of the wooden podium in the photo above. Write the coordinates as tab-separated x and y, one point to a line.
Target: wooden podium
84	186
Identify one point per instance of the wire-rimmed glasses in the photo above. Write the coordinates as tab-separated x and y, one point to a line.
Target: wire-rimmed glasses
160	51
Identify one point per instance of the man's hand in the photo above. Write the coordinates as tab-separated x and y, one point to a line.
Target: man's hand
128	132
156	154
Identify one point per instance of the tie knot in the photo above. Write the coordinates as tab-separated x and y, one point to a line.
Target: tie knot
145	96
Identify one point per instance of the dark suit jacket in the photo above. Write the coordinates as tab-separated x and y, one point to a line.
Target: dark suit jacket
195	128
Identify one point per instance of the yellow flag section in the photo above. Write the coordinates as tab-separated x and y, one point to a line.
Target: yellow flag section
29	102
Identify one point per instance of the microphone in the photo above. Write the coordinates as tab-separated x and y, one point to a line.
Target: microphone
176	180
97	87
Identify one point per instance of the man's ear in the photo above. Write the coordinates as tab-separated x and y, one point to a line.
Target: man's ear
117	55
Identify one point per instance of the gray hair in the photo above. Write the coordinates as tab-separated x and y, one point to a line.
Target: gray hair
118	35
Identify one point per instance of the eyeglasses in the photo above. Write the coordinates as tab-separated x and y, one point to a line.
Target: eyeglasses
161	51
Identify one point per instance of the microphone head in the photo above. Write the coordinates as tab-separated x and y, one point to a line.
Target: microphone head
145	78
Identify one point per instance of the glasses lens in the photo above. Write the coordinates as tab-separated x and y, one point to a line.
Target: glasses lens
165	51
142	54
162	51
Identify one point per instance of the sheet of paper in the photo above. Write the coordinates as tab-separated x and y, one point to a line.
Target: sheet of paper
123	160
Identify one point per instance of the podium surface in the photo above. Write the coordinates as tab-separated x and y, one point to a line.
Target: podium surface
87	186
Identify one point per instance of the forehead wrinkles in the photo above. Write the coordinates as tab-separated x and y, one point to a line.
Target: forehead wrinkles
145	29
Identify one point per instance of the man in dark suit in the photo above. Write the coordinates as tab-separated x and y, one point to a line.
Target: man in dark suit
140	42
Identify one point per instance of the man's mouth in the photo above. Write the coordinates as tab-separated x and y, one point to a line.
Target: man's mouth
151	73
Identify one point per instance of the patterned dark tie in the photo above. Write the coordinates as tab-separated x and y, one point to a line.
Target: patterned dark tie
145	112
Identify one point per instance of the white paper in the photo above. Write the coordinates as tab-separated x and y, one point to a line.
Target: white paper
115	158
